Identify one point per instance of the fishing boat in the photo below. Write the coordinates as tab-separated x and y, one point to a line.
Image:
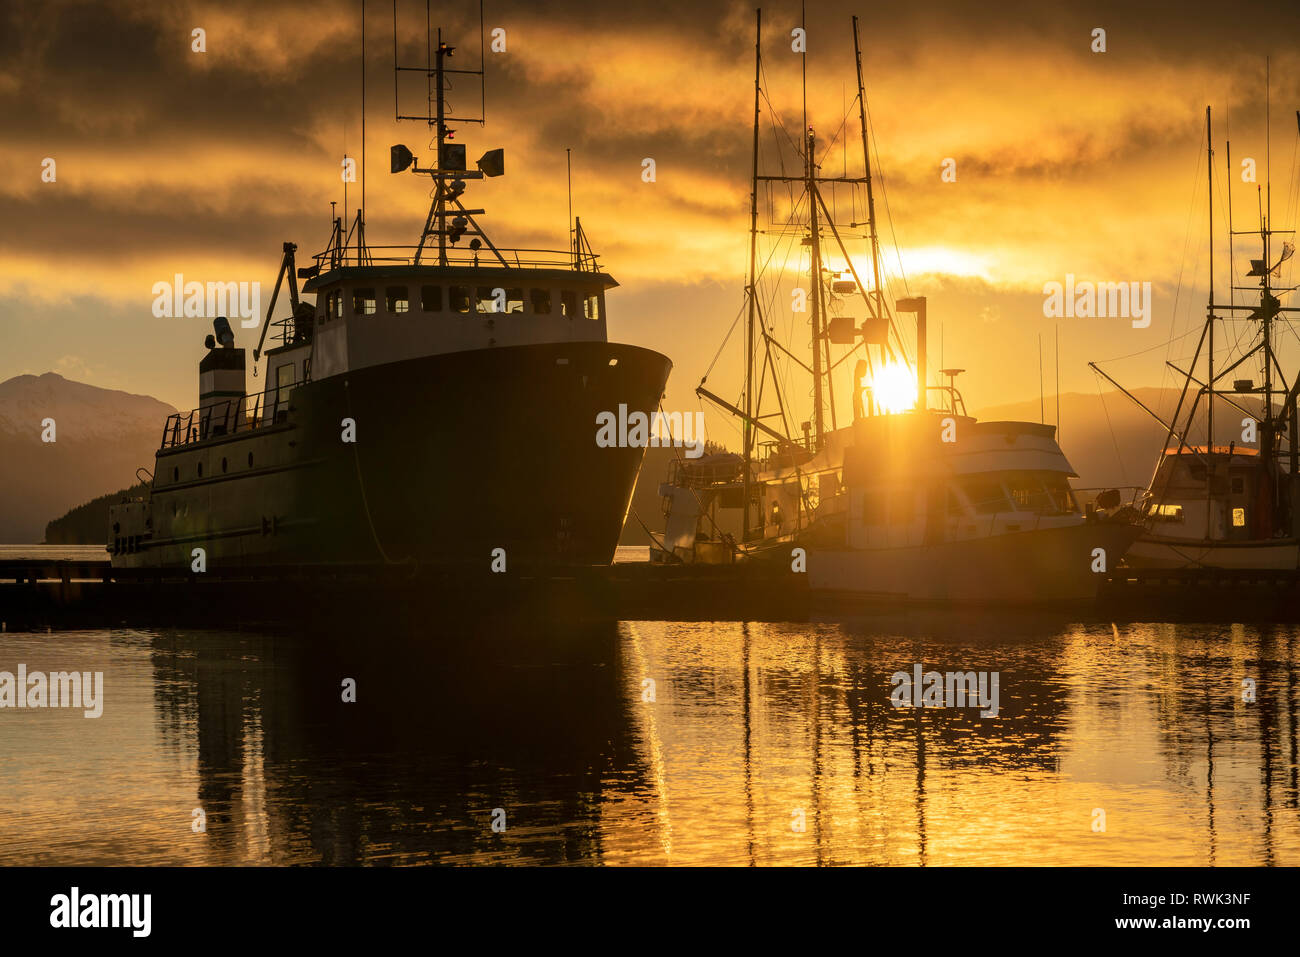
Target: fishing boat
430	404
898	494
1229	501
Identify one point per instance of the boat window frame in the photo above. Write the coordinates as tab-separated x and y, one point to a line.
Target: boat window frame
359	299
392	298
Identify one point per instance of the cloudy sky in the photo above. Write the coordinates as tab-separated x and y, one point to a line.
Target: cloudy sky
1067	162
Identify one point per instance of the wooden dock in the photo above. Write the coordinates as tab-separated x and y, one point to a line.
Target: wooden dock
41	593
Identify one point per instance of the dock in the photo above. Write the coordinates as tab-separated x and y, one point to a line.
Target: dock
42	593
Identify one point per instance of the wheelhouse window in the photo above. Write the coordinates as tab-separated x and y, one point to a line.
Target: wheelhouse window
591	307
334	305
541	299
1168	513
1047	493
283	386
431	298
485	300
873	507
515	301
397	299
363	302
568	303
986	495
458	298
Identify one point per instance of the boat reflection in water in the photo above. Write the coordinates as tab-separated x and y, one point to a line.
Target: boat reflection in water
763	743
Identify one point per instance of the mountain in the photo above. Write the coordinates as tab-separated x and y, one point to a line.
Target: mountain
101	436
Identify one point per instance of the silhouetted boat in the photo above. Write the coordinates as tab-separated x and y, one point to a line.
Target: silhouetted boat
907	502
1233	505
433	404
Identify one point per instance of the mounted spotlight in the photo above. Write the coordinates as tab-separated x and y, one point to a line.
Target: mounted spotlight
400	158
452	157
493	163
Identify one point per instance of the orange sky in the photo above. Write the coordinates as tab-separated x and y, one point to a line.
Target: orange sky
1067	161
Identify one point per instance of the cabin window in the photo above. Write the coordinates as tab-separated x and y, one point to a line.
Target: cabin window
901	506
458	298
306	369
591	307
431	298
334	305
397	299
568	303
1238	485
956	508
485	300
363	302
986	496
1168	513
541	301
1027	493
515	301
283	384
1238	518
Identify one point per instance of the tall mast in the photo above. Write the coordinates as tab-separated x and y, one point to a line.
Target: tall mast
1209	318
815	270
440	202
753	257
866	161
1266	447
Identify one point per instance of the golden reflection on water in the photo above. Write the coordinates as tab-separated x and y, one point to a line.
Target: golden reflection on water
660	743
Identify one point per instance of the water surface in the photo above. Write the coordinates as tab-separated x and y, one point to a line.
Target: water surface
753	728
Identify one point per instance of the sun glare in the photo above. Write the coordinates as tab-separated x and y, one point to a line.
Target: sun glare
894	388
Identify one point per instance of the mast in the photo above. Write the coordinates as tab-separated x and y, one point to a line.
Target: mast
815	269
1209	318
866	161
440	201
753	257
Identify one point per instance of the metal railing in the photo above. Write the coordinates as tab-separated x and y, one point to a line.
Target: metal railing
458	256
229	417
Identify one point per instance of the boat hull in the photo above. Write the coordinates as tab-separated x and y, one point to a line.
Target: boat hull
451	457
1156	553
1051	565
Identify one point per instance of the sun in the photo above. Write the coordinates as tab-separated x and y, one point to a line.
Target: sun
894	388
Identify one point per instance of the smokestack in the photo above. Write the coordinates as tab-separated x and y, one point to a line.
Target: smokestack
916	304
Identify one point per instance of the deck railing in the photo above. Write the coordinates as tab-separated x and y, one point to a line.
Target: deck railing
229	416
458	256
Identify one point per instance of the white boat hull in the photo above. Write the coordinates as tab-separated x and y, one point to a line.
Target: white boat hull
1049	565
1154	552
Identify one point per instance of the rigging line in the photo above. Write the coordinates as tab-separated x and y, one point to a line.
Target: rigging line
1123	472
1291	205
884	191
739	313
1182	265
